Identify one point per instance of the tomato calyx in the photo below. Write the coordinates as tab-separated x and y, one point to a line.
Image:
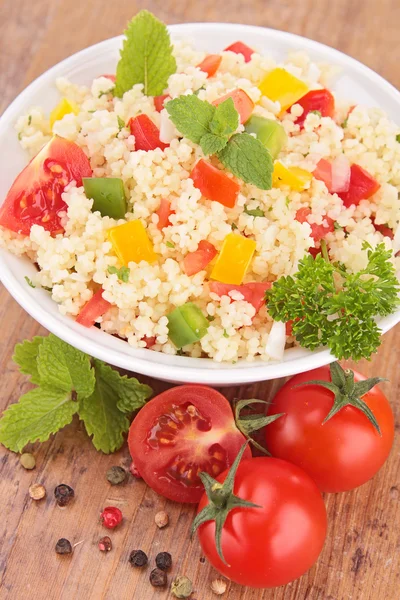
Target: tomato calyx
348	392
248	423
221	501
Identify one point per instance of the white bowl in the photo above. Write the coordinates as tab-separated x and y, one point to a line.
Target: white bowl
356	82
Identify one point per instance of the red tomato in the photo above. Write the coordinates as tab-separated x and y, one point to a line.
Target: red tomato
147	135
362	186
274	544
110	77
35	196
215	184
289	328
320	100
323	172
178	434
340	454
254	292
383	229
150	341
96	307
317	231
159	102
241	48
210	64
198	260
164	213
243	103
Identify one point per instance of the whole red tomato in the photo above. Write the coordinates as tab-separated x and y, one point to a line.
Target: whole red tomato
277	542
340	454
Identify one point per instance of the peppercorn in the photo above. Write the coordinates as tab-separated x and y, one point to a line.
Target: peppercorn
37	491
27	461
138	558
161	519
158	578
111	517
182	587
218	586
116	475
63	494
164	561
63	546
105	544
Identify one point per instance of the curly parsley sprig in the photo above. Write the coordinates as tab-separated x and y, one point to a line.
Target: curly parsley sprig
331	307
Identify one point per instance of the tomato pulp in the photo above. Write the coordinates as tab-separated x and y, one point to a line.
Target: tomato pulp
278	542
178	434
340	454
35	196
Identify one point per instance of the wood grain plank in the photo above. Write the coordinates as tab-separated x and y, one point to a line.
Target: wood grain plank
361	558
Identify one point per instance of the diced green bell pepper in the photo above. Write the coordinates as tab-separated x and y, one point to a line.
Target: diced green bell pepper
186	325
108	196
270	133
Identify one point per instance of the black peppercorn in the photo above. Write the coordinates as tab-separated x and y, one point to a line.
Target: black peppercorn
164	561
63	494
63	546
116	475
138	558
158	578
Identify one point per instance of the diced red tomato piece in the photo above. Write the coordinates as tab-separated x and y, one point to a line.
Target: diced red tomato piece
147	135
96	307
243	103
383	229
159	102
323	172
198	260
150	341
241	48
164	212
362	186
253	292
314	251
317	231
210	64
321	100
110	77
215	184
289	328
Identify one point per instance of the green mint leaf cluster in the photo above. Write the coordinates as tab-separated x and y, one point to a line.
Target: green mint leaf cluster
332	307
146	56
213	128
69	382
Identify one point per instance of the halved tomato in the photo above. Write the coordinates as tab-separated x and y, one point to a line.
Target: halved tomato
243	103
164	212
198	260
210	64
253	292
95	308
35	195
180	433
147	134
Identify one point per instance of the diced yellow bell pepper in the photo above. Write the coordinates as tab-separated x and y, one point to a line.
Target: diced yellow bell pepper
234	259
131	243
283	87
294	177
64	107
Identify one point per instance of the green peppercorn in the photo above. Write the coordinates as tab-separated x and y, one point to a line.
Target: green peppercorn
116	475
181	587
27	461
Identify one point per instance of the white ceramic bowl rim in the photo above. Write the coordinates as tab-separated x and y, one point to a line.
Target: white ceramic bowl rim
117	352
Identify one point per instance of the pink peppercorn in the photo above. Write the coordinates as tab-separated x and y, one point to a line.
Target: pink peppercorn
111	517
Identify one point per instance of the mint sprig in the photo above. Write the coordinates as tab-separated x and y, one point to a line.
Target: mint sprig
213	128
69	382
146	56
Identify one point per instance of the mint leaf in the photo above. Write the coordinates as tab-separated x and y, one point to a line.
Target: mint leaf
62	367
248	159
226	119
102	418
129	394
211	144
146	56
191	116
37	415
25	356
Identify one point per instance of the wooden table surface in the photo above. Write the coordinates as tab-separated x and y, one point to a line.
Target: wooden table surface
361	558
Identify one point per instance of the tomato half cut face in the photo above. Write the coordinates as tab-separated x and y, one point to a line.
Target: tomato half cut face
35	196
179	434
